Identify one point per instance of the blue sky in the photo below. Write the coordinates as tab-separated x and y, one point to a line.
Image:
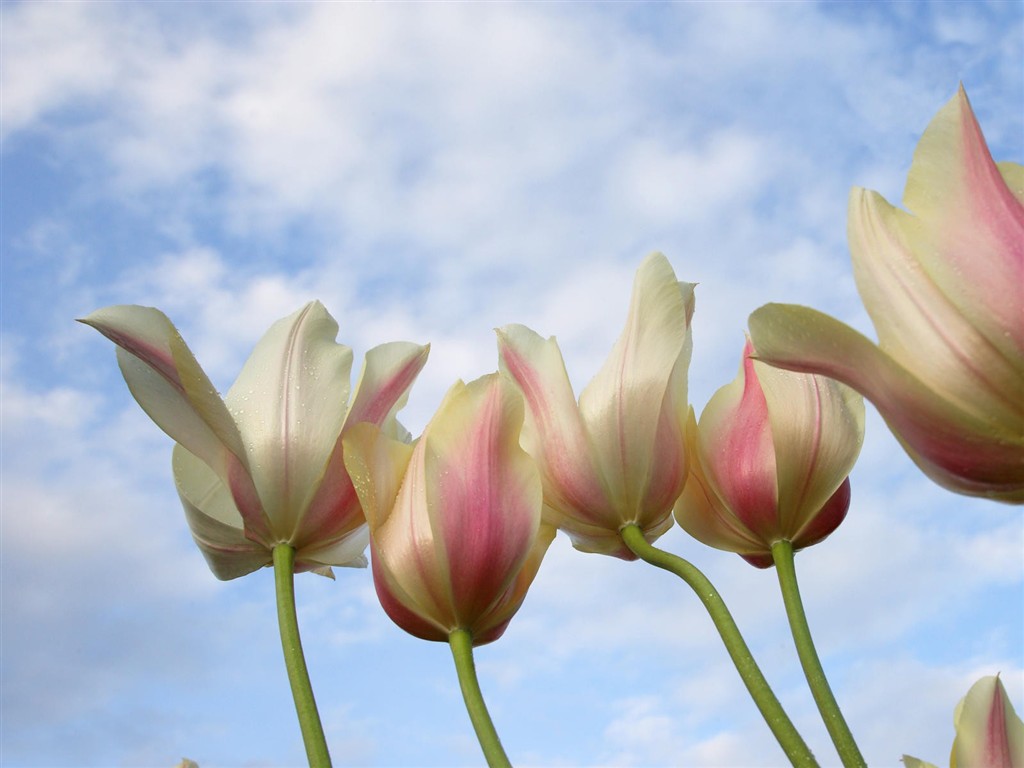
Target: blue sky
432	171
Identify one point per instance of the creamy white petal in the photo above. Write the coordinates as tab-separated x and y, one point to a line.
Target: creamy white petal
290	402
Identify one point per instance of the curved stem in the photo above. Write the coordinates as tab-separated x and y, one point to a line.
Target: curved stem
461	643
782	553
778	721
295	662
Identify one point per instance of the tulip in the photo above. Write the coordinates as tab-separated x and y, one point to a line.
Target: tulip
264	466
944	287
618	457
770	461
455	519
988	732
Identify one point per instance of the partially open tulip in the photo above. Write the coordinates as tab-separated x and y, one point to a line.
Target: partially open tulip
455	519
988	732
944	286
619	456
264	466
770	461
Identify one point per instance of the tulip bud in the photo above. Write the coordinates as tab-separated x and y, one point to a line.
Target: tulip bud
618	457
770	461
263	466
988	732
455	519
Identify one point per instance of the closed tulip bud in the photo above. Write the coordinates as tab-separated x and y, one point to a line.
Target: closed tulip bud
455	519
988	732
618	457
263	466
770	461
944	287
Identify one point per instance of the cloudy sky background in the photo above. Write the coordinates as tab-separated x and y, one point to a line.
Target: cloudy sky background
430	172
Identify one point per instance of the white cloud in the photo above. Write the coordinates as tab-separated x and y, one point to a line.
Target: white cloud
699	180
55	55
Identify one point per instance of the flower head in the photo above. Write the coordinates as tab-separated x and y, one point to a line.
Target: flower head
988	732
944	286
455	519
263	466
770	461
617	457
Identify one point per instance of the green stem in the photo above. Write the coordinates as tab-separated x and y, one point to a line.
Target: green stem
782	553
295	662
778	721
461	642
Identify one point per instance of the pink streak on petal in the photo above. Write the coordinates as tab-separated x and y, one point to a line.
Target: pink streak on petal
335	511
954	448
487	526
424	550
410	620
994	207
742	458
247	500
159	358
375	407
997	740
566	458
827	519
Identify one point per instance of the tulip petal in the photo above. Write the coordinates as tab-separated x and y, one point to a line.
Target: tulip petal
958	449
290	402
396	602
817	428
385	381
214	520
821	524
388	373
702	513
347	552
388	477
168	383
376	463
919	323
972	224
164	377
737	454
988	732
554	435
703	516
622	407
943	286
485	505
505	608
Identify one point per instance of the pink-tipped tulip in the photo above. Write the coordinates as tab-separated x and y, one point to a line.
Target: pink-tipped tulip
619	456
988	732
770	461
263	466
944	286
455	519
